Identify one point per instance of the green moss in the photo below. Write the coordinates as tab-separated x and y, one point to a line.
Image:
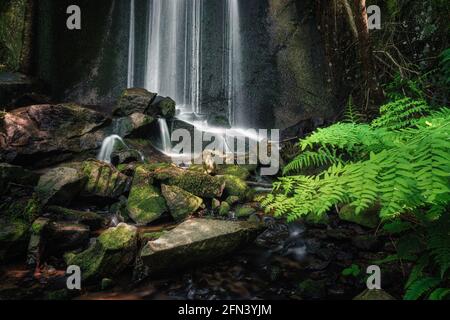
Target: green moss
180	202
235	186
201	185
12	23
224	209
242	172
167	107
151	236
38	226
145	203
244	211
232	200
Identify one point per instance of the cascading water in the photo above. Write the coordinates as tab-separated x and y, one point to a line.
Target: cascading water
173	51
174	61
108	147
131	46
165	135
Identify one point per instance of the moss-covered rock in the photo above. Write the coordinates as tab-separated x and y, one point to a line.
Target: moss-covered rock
224	209
36	243
244	211
369	218
133	100
113	251
60	185
240	171
145	203
104	180
197	183
235	186
232	200
180	202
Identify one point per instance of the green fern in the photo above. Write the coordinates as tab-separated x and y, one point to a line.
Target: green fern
402	163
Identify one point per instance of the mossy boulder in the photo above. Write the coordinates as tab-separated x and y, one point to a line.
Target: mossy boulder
36	243
232	200
113	251
244	211
196	241
17	175
133	100
26	209
180	202
60	185
224	209
104	180
369	218
235	186
240	171
198	183
145	203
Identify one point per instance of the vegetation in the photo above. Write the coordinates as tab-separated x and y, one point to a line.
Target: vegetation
401	162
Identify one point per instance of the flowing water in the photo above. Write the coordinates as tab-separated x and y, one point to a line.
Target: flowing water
108	147
166	144
174	65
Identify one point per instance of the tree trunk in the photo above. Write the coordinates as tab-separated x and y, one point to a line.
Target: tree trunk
365	48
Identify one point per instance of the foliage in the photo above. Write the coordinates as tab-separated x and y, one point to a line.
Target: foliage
402	162
12	18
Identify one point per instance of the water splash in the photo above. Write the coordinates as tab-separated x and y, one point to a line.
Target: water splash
107	148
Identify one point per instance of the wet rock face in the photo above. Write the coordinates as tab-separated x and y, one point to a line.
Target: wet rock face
113	251
42	135
196	241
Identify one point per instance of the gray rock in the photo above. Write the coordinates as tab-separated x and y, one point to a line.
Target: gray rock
194	242
374	295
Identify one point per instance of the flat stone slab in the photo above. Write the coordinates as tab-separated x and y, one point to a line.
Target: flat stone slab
196	241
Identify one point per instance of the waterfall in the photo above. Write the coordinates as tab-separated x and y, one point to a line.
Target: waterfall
234	89
108	148
131	46
165	135
174	51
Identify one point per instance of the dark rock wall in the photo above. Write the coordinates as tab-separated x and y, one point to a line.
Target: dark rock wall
88	65
284	77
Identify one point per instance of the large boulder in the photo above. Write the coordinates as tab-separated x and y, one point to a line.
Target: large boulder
41	135
17	175
196	241
180	202
64	236
88	218
197	183
60	185
104	180
235	186
133	100
145	203
112	252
